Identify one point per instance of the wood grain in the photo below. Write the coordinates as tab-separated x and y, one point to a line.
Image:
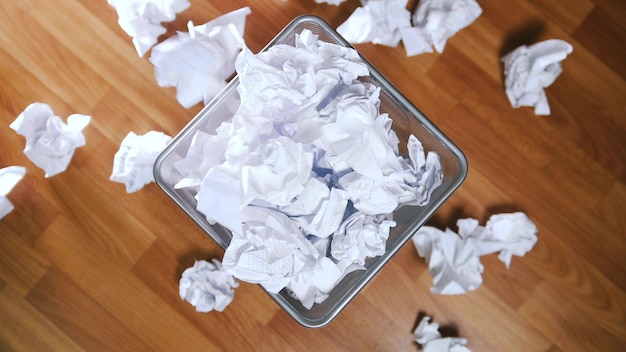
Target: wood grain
86	266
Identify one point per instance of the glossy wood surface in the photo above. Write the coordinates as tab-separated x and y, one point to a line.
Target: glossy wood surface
86	266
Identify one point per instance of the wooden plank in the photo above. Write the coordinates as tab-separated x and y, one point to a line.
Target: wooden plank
118	291
79	316
570	330
592	33
23	328
43	56
21	267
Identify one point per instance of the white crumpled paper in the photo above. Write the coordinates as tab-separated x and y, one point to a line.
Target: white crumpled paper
453	264
529	69
453	259
9	177
50	143
207	286
388	22
141	19
508	234
270	250
279	173
378	22
435	21
199	62
360	237
133	163
428	336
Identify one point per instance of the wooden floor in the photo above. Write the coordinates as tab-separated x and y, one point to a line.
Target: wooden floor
86	266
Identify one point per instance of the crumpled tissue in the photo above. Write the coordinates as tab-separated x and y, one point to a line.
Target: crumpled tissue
199	62
141	19
207	286
276	173
454	259
50	143
530	69
133	163
9	177
428	336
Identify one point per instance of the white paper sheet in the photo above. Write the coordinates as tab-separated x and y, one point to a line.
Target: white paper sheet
428	336
199	62
530	69
134	161
9	177
453	259
141	19
50	143
207	286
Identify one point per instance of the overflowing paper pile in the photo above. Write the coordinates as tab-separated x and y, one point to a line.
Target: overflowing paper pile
207	286
529	69
134	161
453	259
50	143
199	62
9	177
306	163
141	19
387	22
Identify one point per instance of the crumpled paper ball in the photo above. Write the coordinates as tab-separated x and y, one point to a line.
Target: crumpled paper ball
9	177
439	20
141	19
453	264
199	62
530	69
377	21
50	143
509	234
387	22
427	334
454	259
133	163
361	236
207	286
